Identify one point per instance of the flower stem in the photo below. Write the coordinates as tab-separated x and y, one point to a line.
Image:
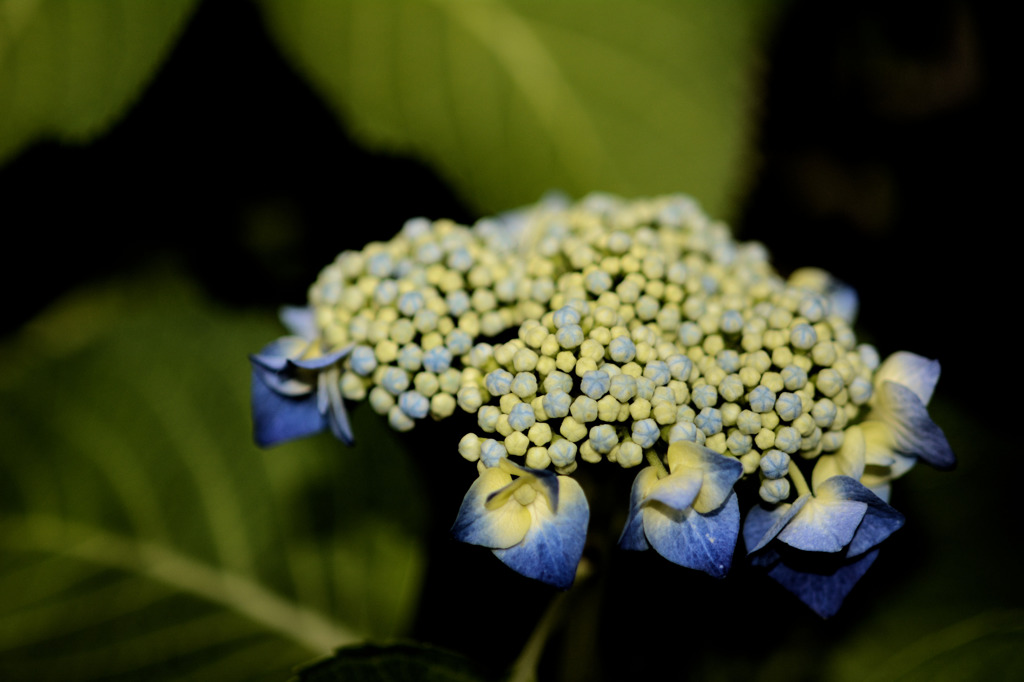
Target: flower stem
655	462
525	667
799	482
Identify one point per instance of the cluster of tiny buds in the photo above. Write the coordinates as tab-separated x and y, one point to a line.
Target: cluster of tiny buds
637	324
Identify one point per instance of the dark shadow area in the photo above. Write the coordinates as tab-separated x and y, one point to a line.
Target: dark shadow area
885	138
228	163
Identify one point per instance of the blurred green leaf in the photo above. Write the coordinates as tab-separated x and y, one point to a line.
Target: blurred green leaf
394	663
511	99
142	535
987	646
69	69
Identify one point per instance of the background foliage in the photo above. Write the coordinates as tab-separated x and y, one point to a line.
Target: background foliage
174	171
143	536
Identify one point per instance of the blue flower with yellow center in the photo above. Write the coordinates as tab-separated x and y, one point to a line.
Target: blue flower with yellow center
689	514
533	520
898	430
295	387
820	545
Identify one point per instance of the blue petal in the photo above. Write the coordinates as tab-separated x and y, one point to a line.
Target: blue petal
547	478
766	557
334	411
322	361
300	321
849	460
704	542
720	475
879	522
633	537
917	373
552	548
274	356
756	525
275	369
268	360
882	490
678	490
913	432
844	300
769	523
828	520
278	418
821	584
498	528
282	383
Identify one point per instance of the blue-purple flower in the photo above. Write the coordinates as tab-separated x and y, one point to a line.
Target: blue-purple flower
689	514
819	546
898	430
534	520
295	386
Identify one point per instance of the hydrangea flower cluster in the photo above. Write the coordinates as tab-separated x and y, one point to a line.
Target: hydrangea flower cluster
614	333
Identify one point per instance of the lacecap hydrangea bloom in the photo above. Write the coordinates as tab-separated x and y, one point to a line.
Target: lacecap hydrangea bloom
614	333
